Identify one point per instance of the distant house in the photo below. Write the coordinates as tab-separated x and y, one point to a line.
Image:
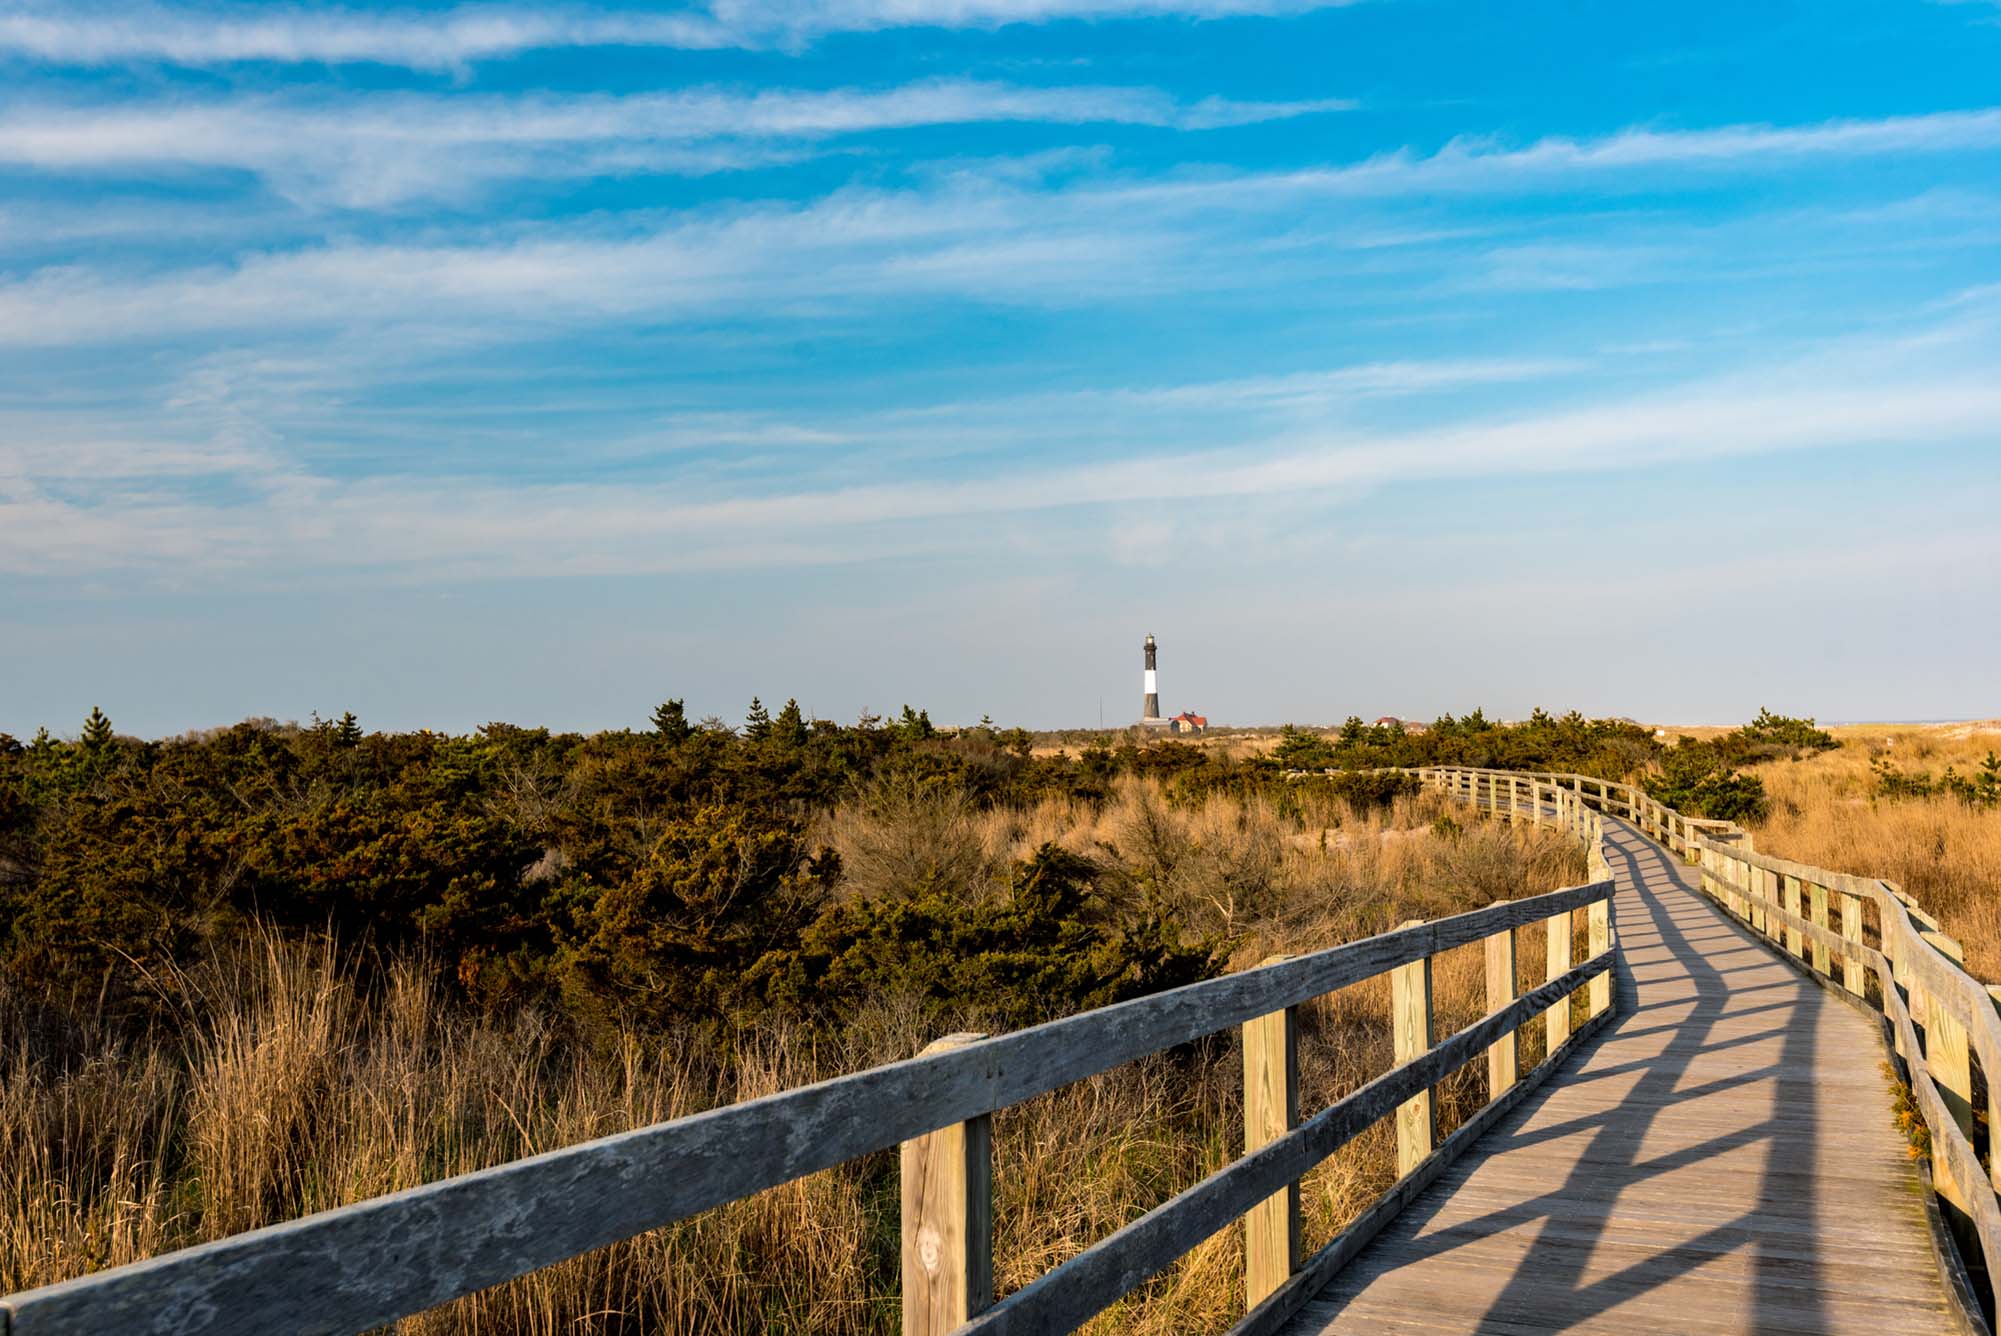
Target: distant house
1407	725
1190	722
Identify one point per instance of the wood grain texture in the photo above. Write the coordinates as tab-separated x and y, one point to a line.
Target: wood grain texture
1816	895
1557	954
1504	1054
1917	959
1598	940
946	1191
1271	1109
1066	1297
1324	1265
364	1265
1852	969
1410	1028
1789	897
1951	1069
1720	1160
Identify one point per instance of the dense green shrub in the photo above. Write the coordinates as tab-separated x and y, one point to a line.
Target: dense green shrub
636	876
1697	779
1977	790
1777	733
1053	946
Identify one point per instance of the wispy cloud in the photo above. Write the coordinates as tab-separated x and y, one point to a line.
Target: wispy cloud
188	35
390	149
994	238
1485	164
209	36
283	516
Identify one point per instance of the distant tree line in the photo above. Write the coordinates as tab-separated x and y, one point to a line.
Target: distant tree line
639	877
669	874
1698	776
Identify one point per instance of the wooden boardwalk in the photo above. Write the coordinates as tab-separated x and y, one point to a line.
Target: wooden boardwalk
1723	1160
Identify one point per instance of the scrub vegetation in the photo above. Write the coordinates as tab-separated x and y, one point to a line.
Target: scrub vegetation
269	969
1919	805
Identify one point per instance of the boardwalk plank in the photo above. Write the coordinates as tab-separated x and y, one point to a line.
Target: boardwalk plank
1721	1161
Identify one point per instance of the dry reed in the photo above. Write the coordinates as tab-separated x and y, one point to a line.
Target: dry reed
1946	854
289	1087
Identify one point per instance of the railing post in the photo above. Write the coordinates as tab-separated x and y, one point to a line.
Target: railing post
1504	1054
1993	1109
948	1232
1557	1024
1789	898
1271	1108
1816	896
1762	880
1410	1023
1951	1067
1598	928
1597	867
1890	929
1852	969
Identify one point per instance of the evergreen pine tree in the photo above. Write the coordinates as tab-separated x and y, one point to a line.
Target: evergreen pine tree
348	732
97	734
757	724
670	721
790	726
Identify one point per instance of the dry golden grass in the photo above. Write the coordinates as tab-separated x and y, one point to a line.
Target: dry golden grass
1944	853
287	1089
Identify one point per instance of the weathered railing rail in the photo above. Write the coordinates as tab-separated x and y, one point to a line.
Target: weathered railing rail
367	1264
1844	929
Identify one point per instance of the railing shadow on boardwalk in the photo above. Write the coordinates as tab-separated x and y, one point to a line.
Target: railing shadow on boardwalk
1698	942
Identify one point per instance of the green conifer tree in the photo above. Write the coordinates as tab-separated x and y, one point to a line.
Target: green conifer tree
757	724
347	733
670	721
97	733
790	726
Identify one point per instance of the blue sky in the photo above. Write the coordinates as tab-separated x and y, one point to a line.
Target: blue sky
539	362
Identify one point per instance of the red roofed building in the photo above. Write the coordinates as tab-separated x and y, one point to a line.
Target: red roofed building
1190	722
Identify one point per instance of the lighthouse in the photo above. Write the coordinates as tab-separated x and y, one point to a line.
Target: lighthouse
1151	714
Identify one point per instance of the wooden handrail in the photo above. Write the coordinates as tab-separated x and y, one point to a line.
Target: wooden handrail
1919	977
364	1265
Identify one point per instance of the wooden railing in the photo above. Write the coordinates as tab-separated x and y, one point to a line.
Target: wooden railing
364	1265
1848	931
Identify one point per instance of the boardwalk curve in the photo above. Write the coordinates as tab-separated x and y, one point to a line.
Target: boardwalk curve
1722	1160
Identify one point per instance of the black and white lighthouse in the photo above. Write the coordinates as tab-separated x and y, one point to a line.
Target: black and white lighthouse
1151	714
